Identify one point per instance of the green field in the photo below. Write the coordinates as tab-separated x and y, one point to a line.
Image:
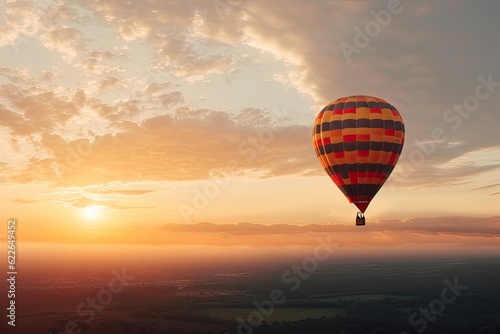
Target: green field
279	314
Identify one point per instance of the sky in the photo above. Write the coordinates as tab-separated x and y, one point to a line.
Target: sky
130	121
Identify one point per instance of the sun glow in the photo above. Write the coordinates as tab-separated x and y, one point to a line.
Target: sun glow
91	212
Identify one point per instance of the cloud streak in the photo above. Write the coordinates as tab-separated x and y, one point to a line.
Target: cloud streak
441	230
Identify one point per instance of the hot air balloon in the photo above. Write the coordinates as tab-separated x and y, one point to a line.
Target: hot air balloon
358	140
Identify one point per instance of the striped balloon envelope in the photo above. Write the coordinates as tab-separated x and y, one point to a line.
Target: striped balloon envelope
358	140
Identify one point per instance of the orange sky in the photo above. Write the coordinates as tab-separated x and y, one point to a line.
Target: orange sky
134	123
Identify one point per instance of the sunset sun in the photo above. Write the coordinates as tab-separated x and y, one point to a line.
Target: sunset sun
91	212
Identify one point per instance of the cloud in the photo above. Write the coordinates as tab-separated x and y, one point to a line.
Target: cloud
433	175
197	141
19	18
68	41
97	62
448	225
394	65
24	200
170	29
29	110
488	186
151	129
15	75
81	202
443	230
73	137
123	191
432	232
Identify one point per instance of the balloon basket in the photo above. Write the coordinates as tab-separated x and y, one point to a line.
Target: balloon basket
360	219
